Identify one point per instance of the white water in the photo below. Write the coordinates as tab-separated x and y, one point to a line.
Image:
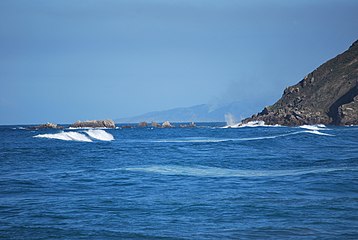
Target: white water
314	127
318	133
250	124
100	135
66	136
79	137
202	171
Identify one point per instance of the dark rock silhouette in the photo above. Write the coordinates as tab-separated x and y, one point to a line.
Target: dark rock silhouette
328	95
94	124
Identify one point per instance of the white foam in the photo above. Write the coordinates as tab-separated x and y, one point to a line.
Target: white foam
314	127
202	171
318	133
100	135
251	124
20	128
66	136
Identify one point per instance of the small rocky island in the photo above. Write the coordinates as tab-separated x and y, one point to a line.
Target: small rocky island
328	95
46	126
94	124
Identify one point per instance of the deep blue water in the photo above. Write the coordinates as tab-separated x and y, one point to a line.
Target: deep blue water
201	183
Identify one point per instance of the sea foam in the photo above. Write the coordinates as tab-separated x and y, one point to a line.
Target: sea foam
215	140
314	127
100	135
251	124
202	171
66	136
86	136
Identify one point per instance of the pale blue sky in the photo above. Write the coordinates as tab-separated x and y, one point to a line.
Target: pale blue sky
63	61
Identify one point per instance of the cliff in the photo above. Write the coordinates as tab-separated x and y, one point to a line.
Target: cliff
328	95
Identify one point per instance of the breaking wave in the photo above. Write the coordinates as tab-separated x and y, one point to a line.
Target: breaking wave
250	124
66	136
87	136
314	127
100	135
202	171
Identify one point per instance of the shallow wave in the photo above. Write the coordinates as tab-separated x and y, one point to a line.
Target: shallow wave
202	171
66	136
318	133
213	140
100	135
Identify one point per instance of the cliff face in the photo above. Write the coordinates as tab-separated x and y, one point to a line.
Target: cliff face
328	95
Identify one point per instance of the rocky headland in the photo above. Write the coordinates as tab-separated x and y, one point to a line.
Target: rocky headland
94	124
328	95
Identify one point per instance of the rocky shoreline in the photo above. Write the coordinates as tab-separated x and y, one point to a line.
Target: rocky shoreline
328	95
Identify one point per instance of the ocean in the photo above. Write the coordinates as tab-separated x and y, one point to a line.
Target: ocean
206	182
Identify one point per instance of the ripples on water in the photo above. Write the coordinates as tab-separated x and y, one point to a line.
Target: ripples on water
202	183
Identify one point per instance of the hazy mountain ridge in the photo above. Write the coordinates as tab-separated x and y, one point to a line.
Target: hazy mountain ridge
197	113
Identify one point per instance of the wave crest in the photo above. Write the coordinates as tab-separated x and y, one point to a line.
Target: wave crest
79	137
66	136
100	135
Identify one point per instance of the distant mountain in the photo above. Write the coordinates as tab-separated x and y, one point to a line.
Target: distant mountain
197	113
328	95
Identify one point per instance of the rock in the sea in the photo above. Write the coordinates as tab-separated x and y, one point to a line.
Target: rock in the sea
94	124
46	126
166	124
328	95
143	124
155	124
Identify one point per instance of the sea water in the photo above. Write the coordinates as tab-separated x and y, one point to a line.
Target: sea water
207	182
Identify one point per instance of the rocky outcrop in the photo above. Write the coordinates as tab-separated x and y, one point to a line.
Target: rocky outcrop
155	124
166	124
143	124
94	124
328	95
46	126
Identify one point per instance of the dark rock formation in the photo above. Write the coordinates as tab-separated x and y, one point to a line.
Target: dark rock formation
155	124
328	95
143	124
94	124
46	126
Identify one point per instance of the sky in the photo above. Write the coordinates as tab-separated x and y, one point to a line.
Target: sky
68	60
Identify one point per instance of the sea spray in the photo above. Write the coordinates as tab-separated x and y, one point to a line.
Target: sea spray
230	120
100	135
66	136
